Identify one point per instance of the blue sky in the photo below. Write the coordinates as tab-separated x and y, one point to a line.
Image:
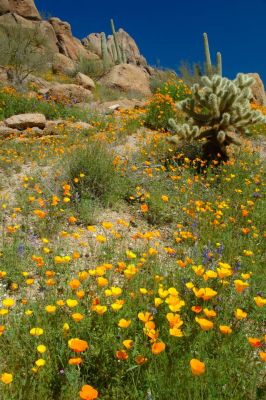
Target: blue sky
170	31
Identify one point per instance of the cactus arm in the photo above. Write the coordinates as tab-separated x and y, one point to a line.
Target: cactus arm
105	55
219	64
208	63
118	51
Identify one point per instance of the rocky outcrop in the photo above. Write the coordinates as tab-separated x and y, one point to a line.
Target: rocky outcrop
129	47
13	19
93	43
258	91
67	44
128	78
85	81
65	47
24	121
62	64
24	8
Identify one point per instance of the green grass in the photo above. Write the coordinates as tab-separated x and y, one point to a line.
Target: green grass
12	103
211	218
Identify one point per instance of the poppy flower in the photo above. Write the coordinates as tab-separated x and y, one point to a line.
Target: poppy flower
140	360
260	301
128	343
254	342
197	367
88	393
75	361
240	314
123	323
121	355
36	331
6	378
226	330
78	345
205	324
157	347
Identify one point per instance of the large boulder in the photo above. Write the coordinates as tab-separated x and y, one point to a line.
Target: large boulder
4	7
25	8
85	81
67	92
13	19
62	64
128	78
93	43
24	121
258	90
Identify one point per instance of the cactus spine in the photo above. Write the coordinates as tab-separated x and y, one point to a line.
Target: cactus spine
118	51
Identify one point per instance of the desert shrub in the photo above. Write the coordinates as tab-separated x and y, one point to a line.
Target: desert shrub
103	93
12	102
160	109
176	89
23	51
93	68
160	77
190	74
257	129
93	175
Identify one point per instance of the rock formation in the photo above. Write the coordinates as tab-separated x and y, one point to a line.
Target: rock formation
59	35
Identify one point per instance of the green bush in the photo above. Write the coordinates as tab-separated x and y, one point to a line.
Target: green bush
12	103
176	89
160	77
160	109
93	68
93	175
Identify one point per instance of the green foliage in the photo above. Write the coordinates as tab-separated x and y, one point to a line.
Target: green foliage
160	109
190	74
95	69
104	93
101	181
12	103
23	51
218	109
176	89
160	77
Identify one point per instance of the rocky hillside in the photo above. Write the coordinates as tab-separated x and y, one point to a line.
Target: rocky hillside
66	48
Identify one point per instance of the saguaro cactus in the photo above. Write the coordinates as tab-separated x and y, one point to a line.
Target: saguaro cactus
105	55
209	68
218	109
117	47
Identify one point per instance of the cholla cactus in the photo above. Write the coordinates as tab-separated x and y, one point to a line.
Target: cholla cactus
218	109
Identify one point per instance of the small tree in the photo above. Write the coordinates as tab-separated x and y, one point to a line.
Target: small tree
23	51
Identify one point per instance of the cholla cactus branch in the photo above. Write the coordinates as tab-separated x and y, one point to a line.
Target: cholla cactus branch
217	110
